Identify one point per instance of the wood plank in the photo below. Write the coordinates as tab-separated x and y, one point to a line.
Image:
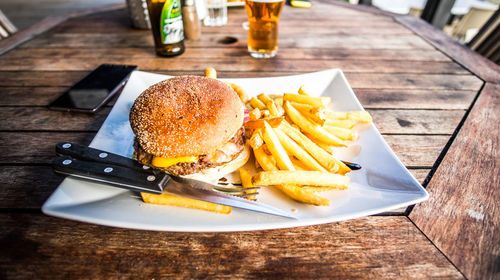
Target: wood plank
462	216
417	121
370	98
409	81
343	25
36	147
356	80
28	187
46	24
40	118
477	64
415	99
35	96
61	248
246	63
415	151
190	53
144	39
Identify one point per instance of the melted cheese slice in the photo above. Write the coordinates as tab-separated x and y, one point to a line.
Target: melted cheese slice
166	162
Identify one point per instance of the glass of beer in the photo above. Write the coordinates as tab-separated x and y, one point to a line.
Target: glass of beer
263	17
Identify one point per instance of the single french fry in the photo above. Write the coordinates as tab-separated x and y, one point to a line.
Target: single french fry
254	124
303	195
256	140
311	127
265	161
301	106
315	189
358	116
264	98
342	133
266	114
240	91
254	114
256	103
210	73
276	149
316	116
172	200
246	181
297	177
279	101
336	115
340	123
273	110
294	192
298	152
324	158
298	164
321	102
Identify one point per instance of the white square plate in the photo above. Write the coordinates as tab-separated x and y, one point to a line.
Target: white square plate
382	184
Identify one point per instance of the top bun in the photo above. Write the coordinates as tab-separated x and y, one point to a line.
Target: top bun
186	116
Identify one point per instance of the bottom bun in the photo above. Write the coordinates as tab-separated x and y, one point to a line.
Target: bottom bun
212	175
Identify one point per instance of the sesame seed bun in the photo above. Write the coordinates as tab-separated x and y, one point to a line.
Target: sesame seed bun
186	116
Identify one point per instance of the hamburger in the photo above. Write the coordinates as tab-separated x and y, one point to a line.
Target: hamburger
189	125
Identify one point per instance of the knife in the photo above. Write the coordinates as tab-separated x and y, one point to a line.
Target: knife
100	166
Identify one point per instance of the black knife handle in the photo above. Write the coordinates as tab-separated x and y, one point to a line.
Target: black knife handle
114	175
86	153
352	165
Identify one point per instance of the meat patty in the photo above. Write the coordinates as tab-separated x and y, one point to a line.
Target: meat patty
204	161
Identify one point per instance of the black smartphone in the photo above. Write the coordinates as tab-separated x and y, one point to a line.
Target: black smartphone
95	89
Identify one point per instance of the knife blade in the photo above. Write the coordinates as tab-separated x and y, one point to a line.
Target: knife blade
112	169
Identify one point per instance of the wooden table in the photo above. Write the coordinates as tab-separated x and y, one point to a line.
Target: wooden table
433	100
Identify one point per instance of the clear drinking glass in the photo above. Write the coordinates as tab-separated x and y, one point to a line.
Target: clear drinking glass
216	13
263	18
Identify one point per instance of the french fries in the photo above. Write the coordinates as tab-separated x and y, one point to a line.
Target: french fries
313	178
320	102
254	124
256	103
240	91
358	116
323	157
210	73
173	200
255	114
297	151
276	149
303	195
310	127
246	181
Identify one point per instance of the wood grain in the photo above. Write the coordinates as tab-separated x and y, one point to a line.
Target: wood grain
463	214
242	64
480	66
36	147
416	121
356	80
40	118
35	245
415	99
218	53
144	40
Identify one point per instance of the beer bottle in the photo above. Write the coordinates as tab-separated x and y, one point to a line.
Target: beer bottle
166	25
